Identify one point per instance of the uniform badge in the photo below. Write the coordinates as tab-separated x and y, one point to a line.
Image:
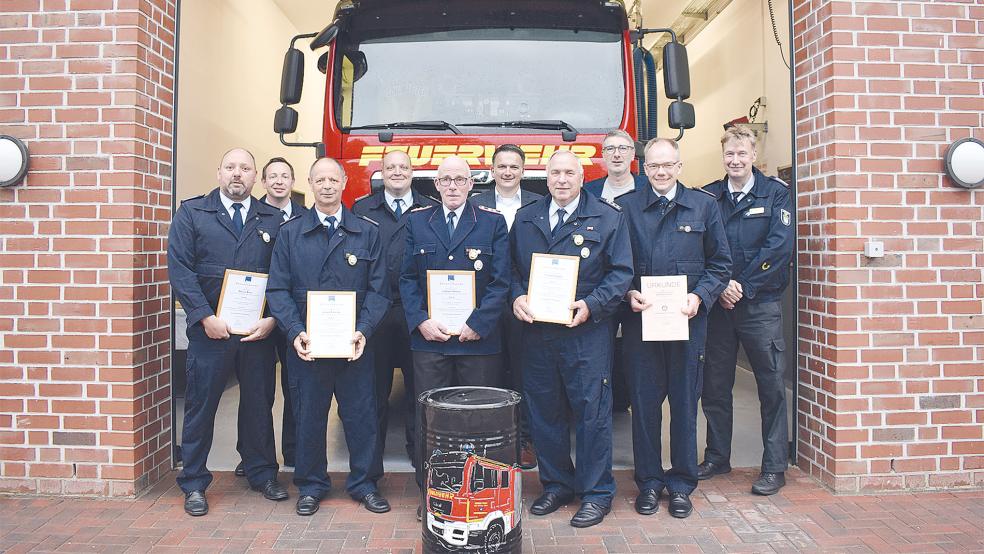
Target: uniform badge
786	217
585	252
264	235
766	266
473	253
578	240
479	265
352	260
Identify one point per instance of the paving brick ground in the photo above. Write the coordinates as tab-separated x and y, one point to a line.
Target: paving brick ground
727	518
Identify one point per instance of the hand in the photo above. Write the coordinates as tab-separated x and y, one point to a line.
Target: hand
581	313
215	328
521	309
261	330
433	331
732	293
693	304
725	304
467	334
302	345
359	340
637	301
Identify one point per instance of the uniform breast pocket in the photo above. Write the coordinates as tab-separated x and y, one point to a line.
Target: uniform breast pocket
480	256
688	239
755	224
358	260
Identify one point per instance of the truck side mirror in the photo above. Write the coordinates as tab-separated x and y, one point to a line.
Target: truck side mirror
292	78
676	71
681	115
285	120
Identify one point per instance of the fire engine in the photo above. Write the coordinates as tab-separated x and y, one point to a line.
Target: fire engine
437	78
472	502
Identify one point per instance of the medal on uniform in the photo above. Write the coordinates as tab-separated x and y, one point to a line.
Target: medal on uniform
578	240
265	236
352	260
686	229
473	254
585	252
479	265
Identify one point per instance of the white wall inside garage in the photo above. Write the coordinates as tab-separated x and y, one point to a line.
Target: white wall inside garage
733	61
229	63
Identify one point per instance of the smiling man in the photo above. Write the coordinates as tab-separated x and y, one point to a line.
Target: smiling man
330	249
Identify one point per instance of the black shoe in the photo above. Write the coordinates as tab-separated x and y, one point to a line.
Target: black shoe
195	503
647	503
420	514
272	490
706	470
308	505
768	484
589	514
240	470
549	502
376	503
680	505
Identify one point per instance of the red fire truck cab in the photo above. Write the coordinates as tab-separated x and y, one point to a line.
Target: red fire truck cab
437	78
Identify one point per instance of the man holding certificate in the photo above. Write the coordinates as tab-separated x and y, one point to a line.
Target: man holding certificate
326	290
572	263
218	255
682	263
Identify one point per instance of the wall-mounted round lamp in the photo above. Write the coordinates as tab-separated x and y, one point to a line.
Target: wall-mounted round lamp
13	161
965	163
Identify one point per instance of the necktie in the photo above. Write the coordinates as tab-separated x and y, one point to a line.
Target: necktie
330	225
451	216
735	196
561	214
237	218
398	210
283	213
661	204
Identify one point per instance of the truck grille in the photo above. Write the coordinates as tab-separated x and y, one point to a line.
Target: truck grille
438	506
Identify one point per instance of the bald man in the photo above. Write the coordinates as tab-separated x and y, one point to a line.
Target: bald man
457	235
572	363
226	229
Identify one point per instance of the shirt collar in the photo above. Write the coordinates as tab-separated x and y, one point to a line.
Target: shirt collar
407	199
516	199
228	202
457	212
338	216
568	209
669	195
745	188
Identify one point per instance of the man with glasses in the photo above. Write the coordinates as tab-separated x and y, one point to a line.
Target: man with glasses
757	219
391	207
457	235
675	231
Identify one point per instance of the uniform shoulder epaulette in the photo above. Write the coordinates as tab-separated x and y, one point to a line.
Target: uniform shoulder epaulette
363	197
369	220
435	200
488	209
778	180
707	192
422	208
610	203
194	198
289	219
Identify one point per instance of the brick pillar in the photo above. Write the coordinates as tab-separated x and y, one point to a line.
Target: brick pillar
84	299
891	351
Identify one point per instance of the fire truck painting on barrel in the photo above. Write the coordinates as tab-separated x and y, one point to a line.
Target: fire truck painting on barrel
473	503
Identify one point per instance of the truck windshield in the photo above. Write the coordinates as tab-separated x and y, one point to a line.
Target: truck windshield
447	478
487	75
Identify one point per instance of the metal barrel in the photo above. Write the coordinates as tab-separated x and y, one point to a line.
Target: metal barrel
473	487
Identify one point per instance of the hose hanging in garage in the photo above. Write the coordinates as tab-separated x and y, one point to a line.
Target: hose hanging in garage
640	95
652	97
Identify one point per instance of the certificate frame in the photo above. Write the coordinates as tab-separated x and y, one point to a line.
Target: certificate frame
572	290
445	273
222	296
307	324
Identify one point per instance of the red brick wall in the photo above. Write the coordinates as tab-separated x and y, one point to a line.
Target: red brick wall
84	300
891	350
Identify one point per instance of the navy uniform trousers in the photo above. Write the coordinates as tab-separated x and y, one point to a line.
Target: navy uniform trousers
201	246
760	234
684	237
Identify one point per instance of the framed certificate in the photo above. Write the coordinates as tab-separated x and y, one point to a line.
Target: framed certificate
331	323
242	300
552	286
663	320
450	298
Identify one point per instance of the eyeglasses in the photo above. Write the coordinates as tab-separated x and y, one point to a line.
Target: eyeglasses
656	167
446	181
622	149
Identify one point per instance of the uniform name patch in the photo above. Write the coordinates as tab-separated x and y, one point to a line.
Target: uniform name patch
755	211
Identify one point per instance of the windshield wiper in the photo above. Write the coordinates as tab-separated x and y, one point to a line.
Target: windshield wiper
410	125
555	124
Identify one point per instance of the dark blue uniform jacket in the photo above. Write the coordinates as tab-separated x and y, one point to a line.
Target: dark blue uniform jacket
202	245
688	240
760	233
603	276
304	260
428	247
